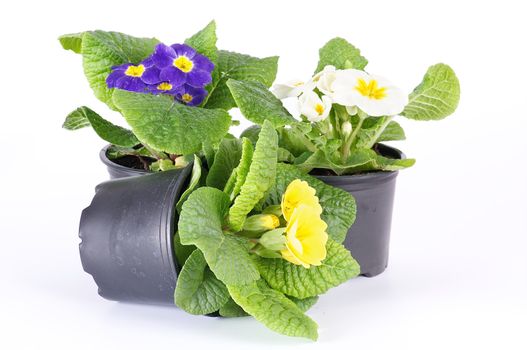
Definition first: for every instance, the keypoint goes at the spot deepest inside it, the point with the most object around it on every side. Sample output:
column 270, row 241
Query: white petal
column 351, row 110
column 292, row 88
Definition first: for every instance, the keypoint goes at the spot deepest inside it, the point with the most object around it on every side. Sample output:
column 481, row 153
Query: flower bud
column 346, row 128
column 261, row 223
column 180, row 162
column 273, row 240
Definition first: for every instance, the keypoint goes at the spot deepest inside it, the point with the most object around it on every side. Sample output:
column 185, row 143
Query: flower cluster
column 351, row 88
column 176, row 70
column 303, row 239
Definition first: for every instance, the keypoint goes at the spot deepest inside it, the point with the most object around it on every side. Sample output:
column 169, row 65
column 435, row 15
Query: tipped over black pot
column 119, row 171
column 127, row 237
column 368, row 238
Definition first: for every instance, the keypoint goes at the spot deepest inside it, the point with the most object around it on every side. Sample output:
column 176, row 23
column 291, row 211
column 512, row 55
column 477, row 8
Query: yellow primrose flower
column 299, row 192
column 306, row 237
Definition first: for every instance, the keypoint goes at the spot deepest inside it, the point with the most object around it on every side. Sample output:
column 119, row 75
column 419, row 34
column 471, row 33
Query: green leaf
column 182, row 251
column 231, row 309
column 258, row 104
column 360, row 160
column 170, row 126
column 198, row 291
column 226, row 159
column 240, row 173
column 193, row 184
column 259, row 178
column 204, row 41
column 294, row 140
column 285, row 156
column 338, row 206
column 200, row 223
column 103, row 50
column 251, row 133
column 114, row 134
column 274, row 310
column 304, row 304
column 232, row 65
column 341, row 54
column 299, row 282
column 71, row 42
column 436, row 97
column 393, row 132
column 371, row 130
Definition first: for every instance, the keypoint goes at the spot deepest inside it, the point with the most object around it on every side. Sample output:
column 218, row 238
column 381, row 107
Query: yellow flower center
column 135, row 71
column 371, row 89
column 187, row 98
column 183, row 64
column 164, row 86
column 319, row 108
column 300, row 83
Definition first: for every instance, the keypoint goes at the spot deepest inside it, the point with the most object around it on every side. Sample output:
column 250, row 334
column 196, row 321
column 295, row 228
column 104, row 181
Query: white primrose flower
column 292, row 88
column 374, row 95
column 313, row 107
column 324, row 80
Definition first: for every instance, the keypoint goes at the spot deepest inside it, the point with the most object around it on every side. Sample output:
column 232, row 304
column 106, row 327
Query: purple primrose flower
column 190, row 95
column 132, row 77
column 180, row 64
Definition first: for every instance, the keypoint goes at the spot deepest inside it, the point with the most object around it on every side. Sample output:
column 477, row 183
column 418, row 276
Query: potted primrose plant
column 174, row 98
column 247, row 237
column 345, row 114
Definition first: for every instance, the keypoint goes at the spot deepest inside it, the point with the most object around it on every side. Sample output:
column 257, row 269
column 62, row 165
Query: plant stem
column 346, row 147
column 380, row 131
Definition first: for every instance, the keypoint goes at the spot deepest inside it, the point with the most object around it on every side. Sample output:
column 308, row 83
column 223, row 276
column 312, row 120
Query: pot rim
column 378, row 175
column 108, row 162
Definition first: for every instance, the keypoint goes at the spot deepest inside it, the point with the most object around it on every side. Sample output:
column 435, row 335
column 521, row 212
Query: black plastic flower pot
column 369, row 237
column 127, row 237
column 118, row 171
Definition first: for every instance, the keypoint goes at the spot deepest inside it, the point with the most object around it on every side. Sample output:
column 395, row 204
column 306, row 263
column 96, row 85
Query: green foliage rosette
column 263, row 241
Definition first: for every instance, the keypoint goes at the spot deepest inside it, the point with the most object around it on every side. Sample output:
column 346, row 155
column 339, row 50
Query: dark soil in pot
column 125, row 166
column 369, row 237
column 127, row 237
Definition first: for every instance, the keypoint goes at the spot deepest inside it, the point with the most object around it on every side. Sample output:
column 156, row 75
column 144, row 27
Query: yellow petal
column 299, row 192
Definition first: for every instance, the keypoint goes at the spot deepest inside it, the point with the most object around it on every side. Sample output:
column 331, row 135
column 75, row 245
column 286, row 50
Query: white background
column 457, row 277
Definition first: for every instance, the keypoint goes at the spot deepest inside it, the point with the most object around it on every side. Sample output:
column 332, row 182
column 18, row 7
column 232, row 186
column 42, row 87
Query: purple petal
column 148, row 62
column 183, row 50
column 198, row 78
column 163, row 56
column 172, row 75
column 198, row 94
column 121, row 67
column 151, row 75
column 131, row 84
column 112, row 78
column 203, row 63
column 154, row 89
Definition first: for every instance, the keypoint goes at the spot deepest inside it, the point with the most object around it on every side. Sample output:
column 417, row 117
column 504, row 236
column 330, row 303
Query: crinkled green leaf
column 193, row 183
column 239, row 175
column 232, row 65
column 204, row 41
column 338, row 206
column 285, row 156
column 341, row 54
column 170, row 126
column 114, row 134
column 294, row 140
column 231, row 309
column 304, row 304
column 259, row 178
column 370, row 131
column 71, row 42
column 200, row 223
column 198, row 291
column 274, row 310
column 436, row 97
column 393, row 132
column 360, row 160
column 103, row 50
column 226, row 159
column 258, row 104
column 299, row 282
